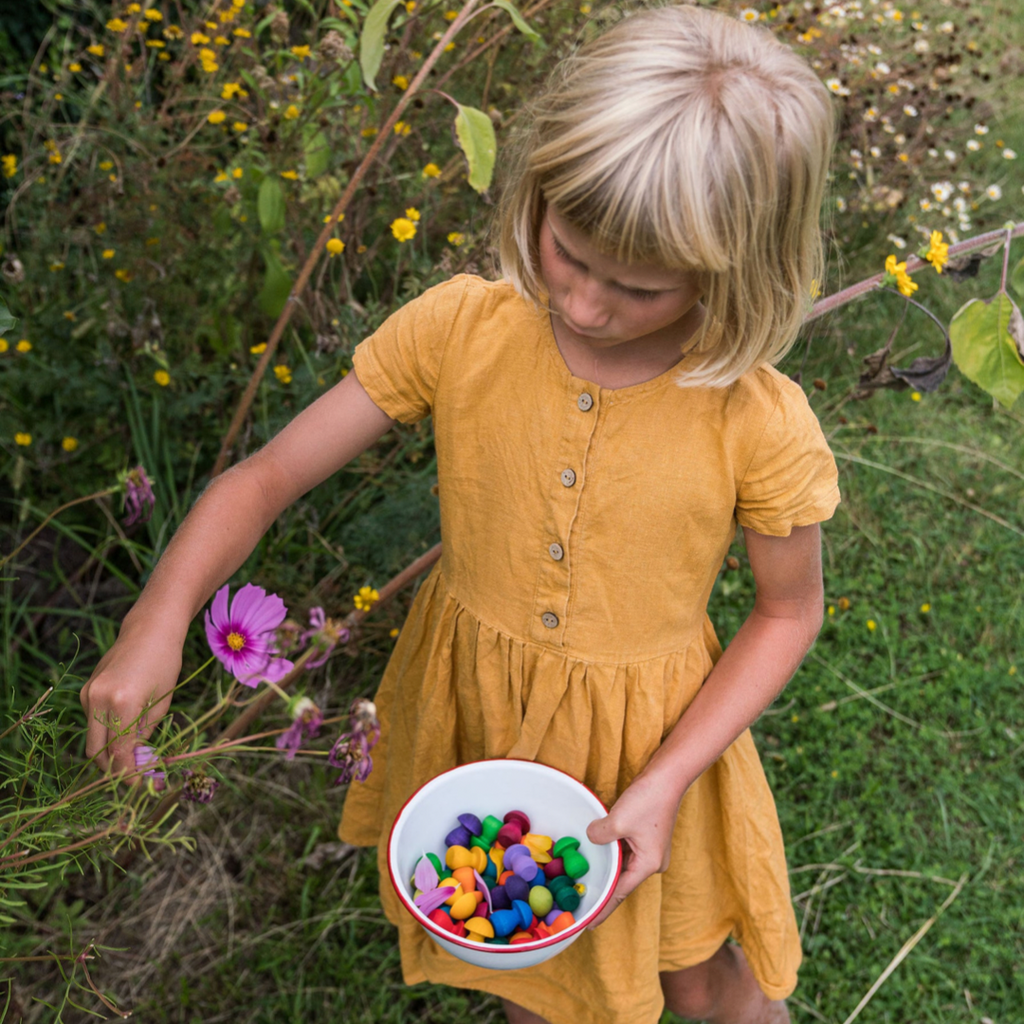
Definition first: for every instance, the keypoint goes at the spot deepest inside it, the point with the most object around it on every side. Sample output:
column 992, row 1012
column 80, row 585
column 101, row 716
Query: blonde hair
column 690, row 140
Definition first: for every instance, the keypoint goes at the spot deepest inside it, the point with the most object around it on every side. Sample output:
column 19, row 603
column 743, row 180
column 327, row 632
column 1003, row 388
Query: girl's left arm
column 751, row 673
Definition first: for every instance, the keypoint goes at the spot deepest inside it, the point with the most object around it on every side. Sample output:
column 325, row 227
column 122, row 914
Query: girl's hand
column 642, row 818
column 128, row 694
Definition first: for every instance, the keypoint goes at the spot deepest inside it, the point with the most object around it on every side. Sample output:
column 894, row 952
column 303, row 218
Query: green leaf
column 371, row 42
column 7, row 321
column 270, row 205
column 518, row 20
column 476, row 137
column 317, row 152
column 1017, row 279
column 277, row 285
column 988, row 337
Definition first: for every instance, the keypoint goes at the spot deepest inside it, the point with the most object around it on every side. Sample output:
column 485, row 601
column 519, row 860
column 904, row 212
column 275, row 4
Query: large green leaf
column 476, row 137
column 518, row 20
column 317, row 152
column 7, row 321
column 277, row 285
column 270, row 205
column 371, row 42
column 988, row 338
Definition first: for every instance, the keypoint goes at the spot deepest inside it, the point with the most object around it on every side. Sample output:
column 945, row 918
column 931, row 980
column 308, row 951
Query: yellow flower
column 221, row 176
column 123, row 274
column 105, row 165
column 368, row 133
column 401, row 81
column 3, row 345
column 216, row 116
column 55, row 157
column 10, row 164
column 96, row 49
column 24, row 345
column 335, row 246
column 23, row 439
column 108, row 254
column 57, row 96
column 938, row 251
column 116, row 25
column 403, row 229
column 412, row 213
column 198, row 39
column 915, row 396
column 449, row 48
column 162, row 377
column 226, row 16
column 100, row 228
column 240, row 126
column 393, row 633
column 70, row 315
column 831, row 609
column 290, row 175
column 69, row 444
column 173, row 32
column 221, row 41
column 451, row 15
column 134, row 8
column 56, row 265
column 238, row 4
column 925, row 608
column 410, row 5
column 237, row 173
column 154, row 15
column 230, row 89
column 366, row 599
column 291, row 112
column 872, row 625
column 431, row 171
column 259, row 349
column 302, row 52
column 75, row 67
column 283, row 373
column 327, row 219
column 903, row 281
column 402, row 128
column 242, row 33
column 456, row 238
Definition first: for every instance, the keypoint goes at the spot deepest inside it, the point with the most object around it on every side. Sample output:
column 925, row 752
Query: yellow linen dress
column 566, row 623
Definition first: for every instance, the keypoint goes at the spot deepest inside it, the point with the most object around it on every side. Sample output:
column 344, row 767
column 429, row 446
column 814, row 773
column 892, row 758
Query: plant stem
column 56, row 512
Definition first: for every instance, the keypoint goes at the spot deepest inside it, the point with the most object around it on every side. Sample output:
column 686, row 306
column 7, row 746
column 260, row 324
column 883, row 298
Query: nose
column 586, row 305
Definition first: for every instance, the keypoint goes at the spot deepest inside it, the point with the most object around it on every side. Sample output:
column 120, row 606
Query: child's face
column 603, row 302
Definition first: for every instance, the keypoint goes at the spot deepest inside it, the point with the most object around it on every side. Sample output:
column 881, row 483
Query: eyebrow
column 575, row 259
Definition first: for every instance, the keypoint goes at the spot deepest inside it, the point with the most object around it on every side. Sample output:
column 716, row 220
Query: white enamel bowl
column 556, row 804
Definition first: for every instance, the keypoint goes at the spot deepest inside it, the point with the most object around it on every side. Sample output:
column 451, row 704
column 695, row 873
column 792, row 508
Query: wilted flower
column 243, row 639
column 351, row 751
column 146, row 758
column 198, row 788
column 326, row 634
column 138, row 496
column 306, row 721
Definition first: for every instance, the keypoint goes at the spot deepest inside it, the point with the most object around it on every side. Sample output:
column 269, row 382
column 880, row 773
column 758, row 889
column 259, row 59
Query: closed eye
column 637, row 293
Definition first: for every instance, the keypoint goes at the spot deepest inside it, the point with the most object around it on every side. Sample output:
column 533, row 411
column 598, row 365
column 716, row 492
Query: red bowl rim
column 522, row 947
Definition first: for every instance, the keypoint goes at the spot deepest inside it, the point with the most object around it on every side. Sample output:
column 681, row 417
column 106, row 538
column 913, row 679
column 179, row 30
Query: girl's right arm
column 138, row 674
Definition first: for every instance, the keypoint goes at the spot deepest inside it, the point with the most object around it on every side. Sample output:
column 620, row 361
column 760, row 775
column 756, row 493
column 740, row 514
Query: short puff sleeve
column 791, row 479
column 399, row 364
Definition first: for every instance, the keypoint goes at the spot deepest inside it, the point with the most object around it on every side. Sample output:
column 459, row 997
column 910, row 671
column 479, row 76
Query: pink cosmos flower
column 243, row 638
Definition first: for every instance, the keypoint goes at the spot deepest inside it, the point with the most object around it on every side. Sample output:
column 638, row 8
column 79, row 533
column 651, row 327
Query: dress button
column 549, row 619
column 556, row 552
column 585, row 402
column 568, row 478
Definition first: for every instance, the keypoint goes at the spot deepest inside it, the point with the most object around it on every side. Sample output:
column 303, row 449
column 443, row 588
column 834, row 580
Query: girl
column 604, row 417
